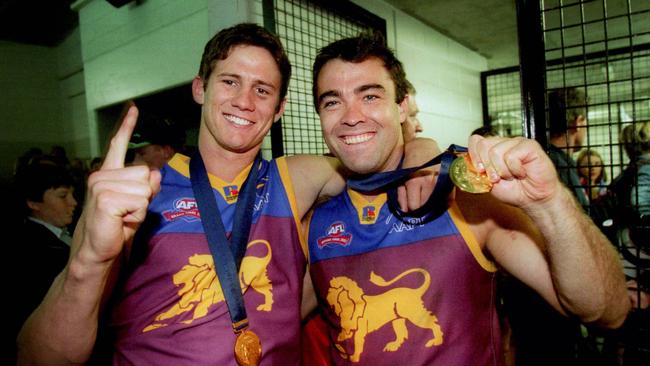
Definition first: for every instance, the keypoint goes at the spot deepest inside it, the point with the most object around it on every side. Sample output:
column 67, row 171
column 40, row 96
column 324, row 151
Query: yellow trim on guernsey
column 181, row 164
column 470, row 239
column 291, row 195
column 359, row 202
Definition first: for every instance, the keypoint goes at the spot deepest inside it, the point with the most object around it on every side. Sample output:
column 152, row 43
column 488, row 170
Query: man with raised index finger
column 420, row 290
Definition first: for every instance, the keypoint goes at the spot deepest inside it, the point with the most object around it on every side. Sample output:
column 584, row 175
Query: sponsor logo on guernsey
column 413, row 223
column 368, row 214
column 231, row 193
column 336, row 235
column 184, row 208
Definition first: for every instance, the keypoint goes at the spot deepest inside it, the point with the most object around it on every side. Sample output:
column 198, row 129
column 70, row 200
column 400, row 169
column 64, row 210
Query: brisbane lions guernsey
column 171, row 309
column 397, row 293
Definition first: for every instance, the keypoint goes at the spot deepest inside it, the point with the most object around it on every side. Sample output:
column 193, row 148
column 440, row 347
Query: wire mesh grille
column 602, row 47
column 504, row 103
column 305, row 27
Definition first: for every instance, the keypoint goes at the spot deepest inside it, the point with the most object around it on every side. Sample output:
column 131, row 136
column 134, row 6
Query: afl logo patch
column 184, row 208
column 336, row 236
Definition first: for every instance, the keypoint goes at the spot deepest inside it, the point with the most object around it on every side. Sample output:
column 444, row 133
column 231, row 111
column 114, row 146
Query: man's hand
column 416, row 191
column 117, row 200
column 519, row 169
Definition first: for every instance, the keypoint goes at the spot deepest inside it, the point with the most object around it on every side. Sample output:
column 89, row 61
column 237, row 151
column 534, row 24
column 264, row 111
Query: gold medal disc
column 466, row 178
column 248, row 348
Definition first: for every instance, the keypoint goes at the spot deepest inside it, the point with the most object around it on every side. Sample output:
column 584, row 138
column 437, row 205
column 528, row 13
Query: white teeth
column 237, row 120
column 357, row 139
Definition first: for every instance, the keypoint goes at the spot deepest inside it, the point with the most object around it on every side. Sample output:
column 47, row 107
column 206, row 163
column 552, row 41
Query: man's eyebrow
column 257, row 81
column 367, row 87
column 329, row 93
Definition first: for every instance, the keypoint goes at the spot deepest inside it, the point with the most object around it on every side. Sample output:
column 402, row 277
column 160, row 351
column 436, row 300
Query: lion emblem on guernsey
column 200, row 287
column 361, row 314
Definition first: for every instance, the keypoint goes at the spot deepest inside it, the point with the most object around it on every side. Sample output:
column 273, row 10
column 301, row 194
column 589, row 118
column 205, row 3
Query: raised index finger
column 120, row 142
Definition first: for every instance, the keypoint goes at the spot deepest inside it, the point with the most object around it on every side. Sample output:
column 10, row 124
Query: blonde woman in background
column 592, row 173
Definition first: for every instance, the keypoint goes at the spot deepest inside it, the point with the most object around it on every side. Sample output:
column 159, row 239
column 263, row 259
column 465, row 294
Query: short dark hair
column 565, row 105
column 36, row 178
column 153, row 129
column 485, row 131
column 219, row 47
column 358, row 49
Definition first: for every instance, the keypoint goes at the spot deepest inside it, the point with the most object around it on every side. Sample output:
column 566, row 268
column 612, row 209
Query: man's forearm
column 63, row 329
column 584, row 266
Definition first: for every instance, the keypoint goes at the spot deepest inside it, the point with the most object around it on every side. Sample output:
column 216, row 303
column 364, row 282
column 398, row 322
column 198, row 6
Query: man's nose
column 353, row 115
column 244, row 99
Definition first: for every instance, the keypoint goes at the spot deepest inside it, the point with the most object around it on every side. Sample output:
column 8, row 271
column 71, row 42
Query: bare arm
column 316, row 177
column 585, row 267
column 62, row 330
column 554, row 247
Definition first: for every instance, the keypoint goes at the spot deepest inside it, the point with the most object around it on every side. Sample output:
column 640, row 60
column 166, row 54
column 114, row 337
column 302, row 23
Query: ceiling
column 485, row 26
column 488, row 27
column 36, row 22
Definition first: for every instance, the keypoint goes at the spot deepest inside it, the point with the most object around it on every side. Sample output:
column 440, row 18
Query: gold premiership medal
column 466, row 178
column 248, row 348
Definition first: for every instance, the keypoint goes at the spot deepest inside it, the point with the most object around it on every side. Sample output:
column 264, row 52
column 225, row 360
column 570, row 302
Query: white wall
column 445, row 74
column 43, row 101
column 141, row 49
column 121, row 53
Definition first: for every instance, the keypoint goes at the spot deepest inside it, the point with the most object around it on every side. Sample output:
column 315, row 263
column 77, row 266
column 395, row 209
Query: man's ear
column 579, row 122
column 197, row 90
column 280, row 110
column 34, row 206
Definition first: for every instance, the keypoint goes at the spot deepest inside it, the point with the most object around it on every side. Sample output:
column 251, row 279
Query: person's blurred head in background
column 47, row 193
column 155, row 141
column 412, row 126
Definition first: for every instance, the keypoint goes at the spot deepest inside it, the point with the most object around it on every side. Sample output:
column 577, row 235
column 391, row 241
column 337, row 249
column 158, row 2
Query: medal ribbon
column 227, row 254
column 435, row 206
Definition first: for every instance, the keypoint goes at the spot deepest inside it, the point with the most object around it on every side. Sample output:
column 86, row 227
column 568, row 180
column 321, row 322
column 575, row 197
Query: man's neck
column 392, row 163
column 226, row 164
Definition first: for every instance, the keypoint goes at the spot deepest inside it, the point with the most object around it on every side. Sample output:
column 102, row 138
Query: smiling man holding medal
column 214, row 274
column 418, row 289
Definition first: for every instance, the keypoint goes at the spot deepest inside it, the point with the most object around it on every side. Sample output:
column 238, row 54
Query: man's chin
column 359, row 167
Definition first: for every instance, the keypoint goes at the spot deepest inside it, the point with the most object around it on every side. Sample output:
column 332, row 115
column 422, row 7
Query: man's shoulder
column 557, row 156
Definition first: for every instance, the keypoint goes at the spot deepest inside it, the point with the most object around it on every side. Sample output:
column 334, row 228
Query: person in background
column 155, row 141
column 485, row 131
column 568, row 130
column 592, row 173
column 31, row 155
column 411, row 126
column 628, row 200
column 59, row 155
column 95, row 164
column 42, row 244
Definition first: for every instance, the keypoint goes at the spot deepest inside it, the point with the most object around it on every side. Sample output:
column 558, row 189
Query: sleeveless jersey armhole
column 467, row 234
column 286, row 181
